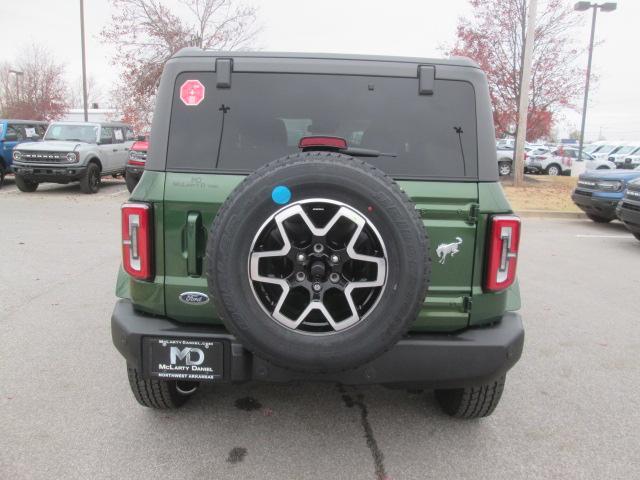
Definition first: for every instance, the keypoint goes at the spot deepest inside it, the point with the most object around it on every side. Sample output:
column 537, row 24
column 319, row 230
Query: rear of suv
column 324, row 218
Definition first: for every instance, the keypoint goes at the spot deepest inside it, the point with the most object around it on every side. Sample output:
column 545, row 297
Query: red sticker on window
column 192, row 92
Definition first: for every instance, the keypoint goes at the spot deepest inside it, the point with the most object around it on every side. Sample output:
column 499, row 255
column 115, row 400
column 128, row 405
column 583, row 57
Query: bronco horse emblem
column 445, row 249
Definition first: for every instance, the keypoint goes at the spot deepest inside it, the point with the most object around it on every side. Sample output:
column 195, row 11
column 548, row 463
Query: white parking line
column 604, row 236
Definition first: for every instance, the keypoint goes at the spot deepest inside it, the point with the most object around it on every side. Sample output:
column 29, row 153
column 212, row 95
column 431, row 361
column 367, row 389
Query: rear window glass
column 263, row 116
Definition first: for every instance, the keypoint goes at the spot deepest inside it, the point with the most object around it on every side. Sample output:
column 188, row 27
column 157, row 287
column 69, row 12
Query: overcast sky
column 399, row 27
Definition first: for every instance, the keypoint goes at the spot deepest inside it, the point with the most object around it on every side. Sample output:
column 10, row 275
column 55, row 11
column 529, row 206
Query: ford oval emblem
column 194, row 298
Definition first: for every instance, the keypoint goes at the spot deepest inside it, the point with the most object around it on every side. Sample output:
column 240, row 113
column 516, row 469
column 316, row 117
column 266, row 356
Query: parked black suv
column 628, row 210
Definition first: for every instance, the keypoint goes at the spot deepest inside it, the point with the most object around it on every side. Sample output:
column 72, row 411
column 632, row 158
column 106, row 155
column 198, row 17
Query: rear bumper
column 54, row 174
column 596, row 205
column 134, row 172
column 473, row 357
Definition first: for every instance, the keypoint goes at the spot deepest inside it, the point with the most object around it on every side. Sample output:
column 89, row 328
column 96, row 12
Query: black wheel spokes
column 318, row 266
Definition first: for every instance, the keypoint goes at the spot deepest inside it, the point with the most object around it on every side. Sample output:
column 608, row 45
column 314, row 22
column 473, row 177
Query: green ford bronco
column 322, row 218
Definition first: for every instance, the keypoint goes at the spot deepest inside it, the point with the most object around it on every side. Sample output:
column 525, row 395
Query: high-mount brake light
column 322, row 142
column 503, row 245
column 136, row 240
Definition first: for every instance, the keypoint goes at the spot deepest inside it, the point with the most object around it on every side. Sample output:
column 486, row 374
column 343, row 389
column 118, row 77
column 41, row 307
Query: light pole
column 581, row 7
column 523, row 104
column 84, row 64
column 19, row 76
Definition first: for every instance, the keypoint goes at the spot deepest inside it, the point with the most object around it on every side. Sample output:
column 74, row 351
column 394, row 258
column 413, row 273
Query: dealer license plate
column 185, row 359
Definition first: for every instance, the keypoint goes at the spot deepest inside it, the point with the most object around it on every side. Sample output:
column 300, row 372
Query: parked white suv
column 604, row 151
column 560, row 161
column 628, row 151
column 72, row 151
column 505, row 157
column 630, row 162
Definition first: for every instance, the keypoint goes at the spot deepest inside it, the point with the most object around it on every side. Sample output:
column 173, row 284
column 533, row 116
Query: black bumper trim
column 630, row 218
column 473, row 357
column 62, row 174
column 595, row 205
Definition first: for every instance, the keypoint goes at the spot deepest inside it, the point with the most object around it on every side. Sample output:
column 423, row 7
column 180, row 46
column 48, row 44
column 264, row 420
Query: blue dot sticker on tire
column 281, row 195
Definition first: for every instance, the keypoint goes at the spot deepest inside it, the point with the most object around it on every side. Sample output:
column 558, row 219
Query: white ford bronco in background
column 83, row 152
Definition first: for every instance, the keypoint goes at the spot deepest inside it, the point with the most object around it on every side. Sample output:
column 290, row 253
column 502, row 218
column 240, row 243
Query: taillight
column 136, row 240
column 504, row 241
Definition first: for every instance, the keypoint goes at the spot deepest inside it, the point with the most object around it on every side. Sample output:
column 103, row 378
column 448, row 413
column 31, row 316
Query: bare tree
column 33, row 86
column 146, row 33
column 494, row 37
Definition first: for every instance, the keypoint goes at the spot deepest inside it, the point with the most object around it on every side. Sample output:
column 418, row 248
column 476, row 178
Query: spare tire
column 318, row 262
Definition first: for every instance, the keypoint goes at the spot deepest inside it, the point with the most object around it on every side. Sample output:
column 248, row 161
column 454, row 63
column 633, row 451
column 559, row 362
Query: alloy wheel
column 318, row 266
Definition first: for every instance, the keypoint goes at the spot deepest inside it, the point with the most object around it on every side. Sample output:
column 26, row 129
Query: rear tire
column 130, row 181
column 25, row 185
column 471, row 402
column 90, row 182
column 159, row 394
column 2, row 173
column 553, row 170
column 598, row 219
column 637, row 235
column 504, row 168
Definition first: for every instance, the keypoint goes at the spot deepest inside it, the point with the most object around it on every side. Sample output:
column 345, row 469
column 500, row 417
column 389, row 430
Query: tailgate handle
column 194, row 226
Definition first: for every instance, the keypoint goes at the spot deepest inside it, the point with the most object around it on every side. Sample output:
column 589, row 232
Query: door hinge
column 426, row 79
column 474, row 210
column 467, row 303
column 224, row 67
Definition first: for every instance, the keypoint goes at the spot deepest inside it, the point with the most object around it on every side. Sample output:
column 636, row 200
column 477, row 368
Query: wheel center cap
column 318, row 270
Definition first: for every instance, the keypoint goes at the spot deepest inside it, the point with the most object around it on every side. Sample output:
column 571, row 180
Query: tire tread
column 472, row 402
column 153, row 393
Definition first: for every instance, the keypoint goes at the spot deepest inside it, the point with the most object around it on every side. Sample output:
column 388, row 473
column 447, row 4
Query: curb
column 551, row 214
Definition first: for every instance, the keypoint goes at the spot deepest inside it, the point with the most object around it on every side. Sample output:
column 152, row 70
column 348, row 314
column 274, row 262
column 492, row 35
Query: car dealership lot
column 569, row 408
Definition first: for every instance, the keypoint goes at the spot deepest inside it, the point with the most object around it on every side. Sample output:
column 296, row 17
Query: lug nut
column 317, row 287
column 334, row 277
column 301, row 257
column 318, row 248
column 335, row 259
column 300, row 276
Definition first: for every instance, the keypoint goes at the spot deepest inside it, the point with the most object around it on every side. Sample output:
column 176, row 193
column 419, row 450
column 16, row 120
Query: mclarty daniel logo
column 186, row 354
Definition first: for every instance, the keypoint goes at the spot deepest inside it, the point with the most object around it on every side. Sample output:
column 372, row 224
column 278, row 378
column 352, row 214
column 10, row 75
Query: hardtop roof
column 21, row 122
column 198, row 52
column 102, row 124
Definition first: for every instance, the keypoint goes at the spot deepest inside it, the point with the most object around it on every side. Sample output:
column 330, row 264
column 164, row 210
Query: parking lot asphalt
column 570, row 407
